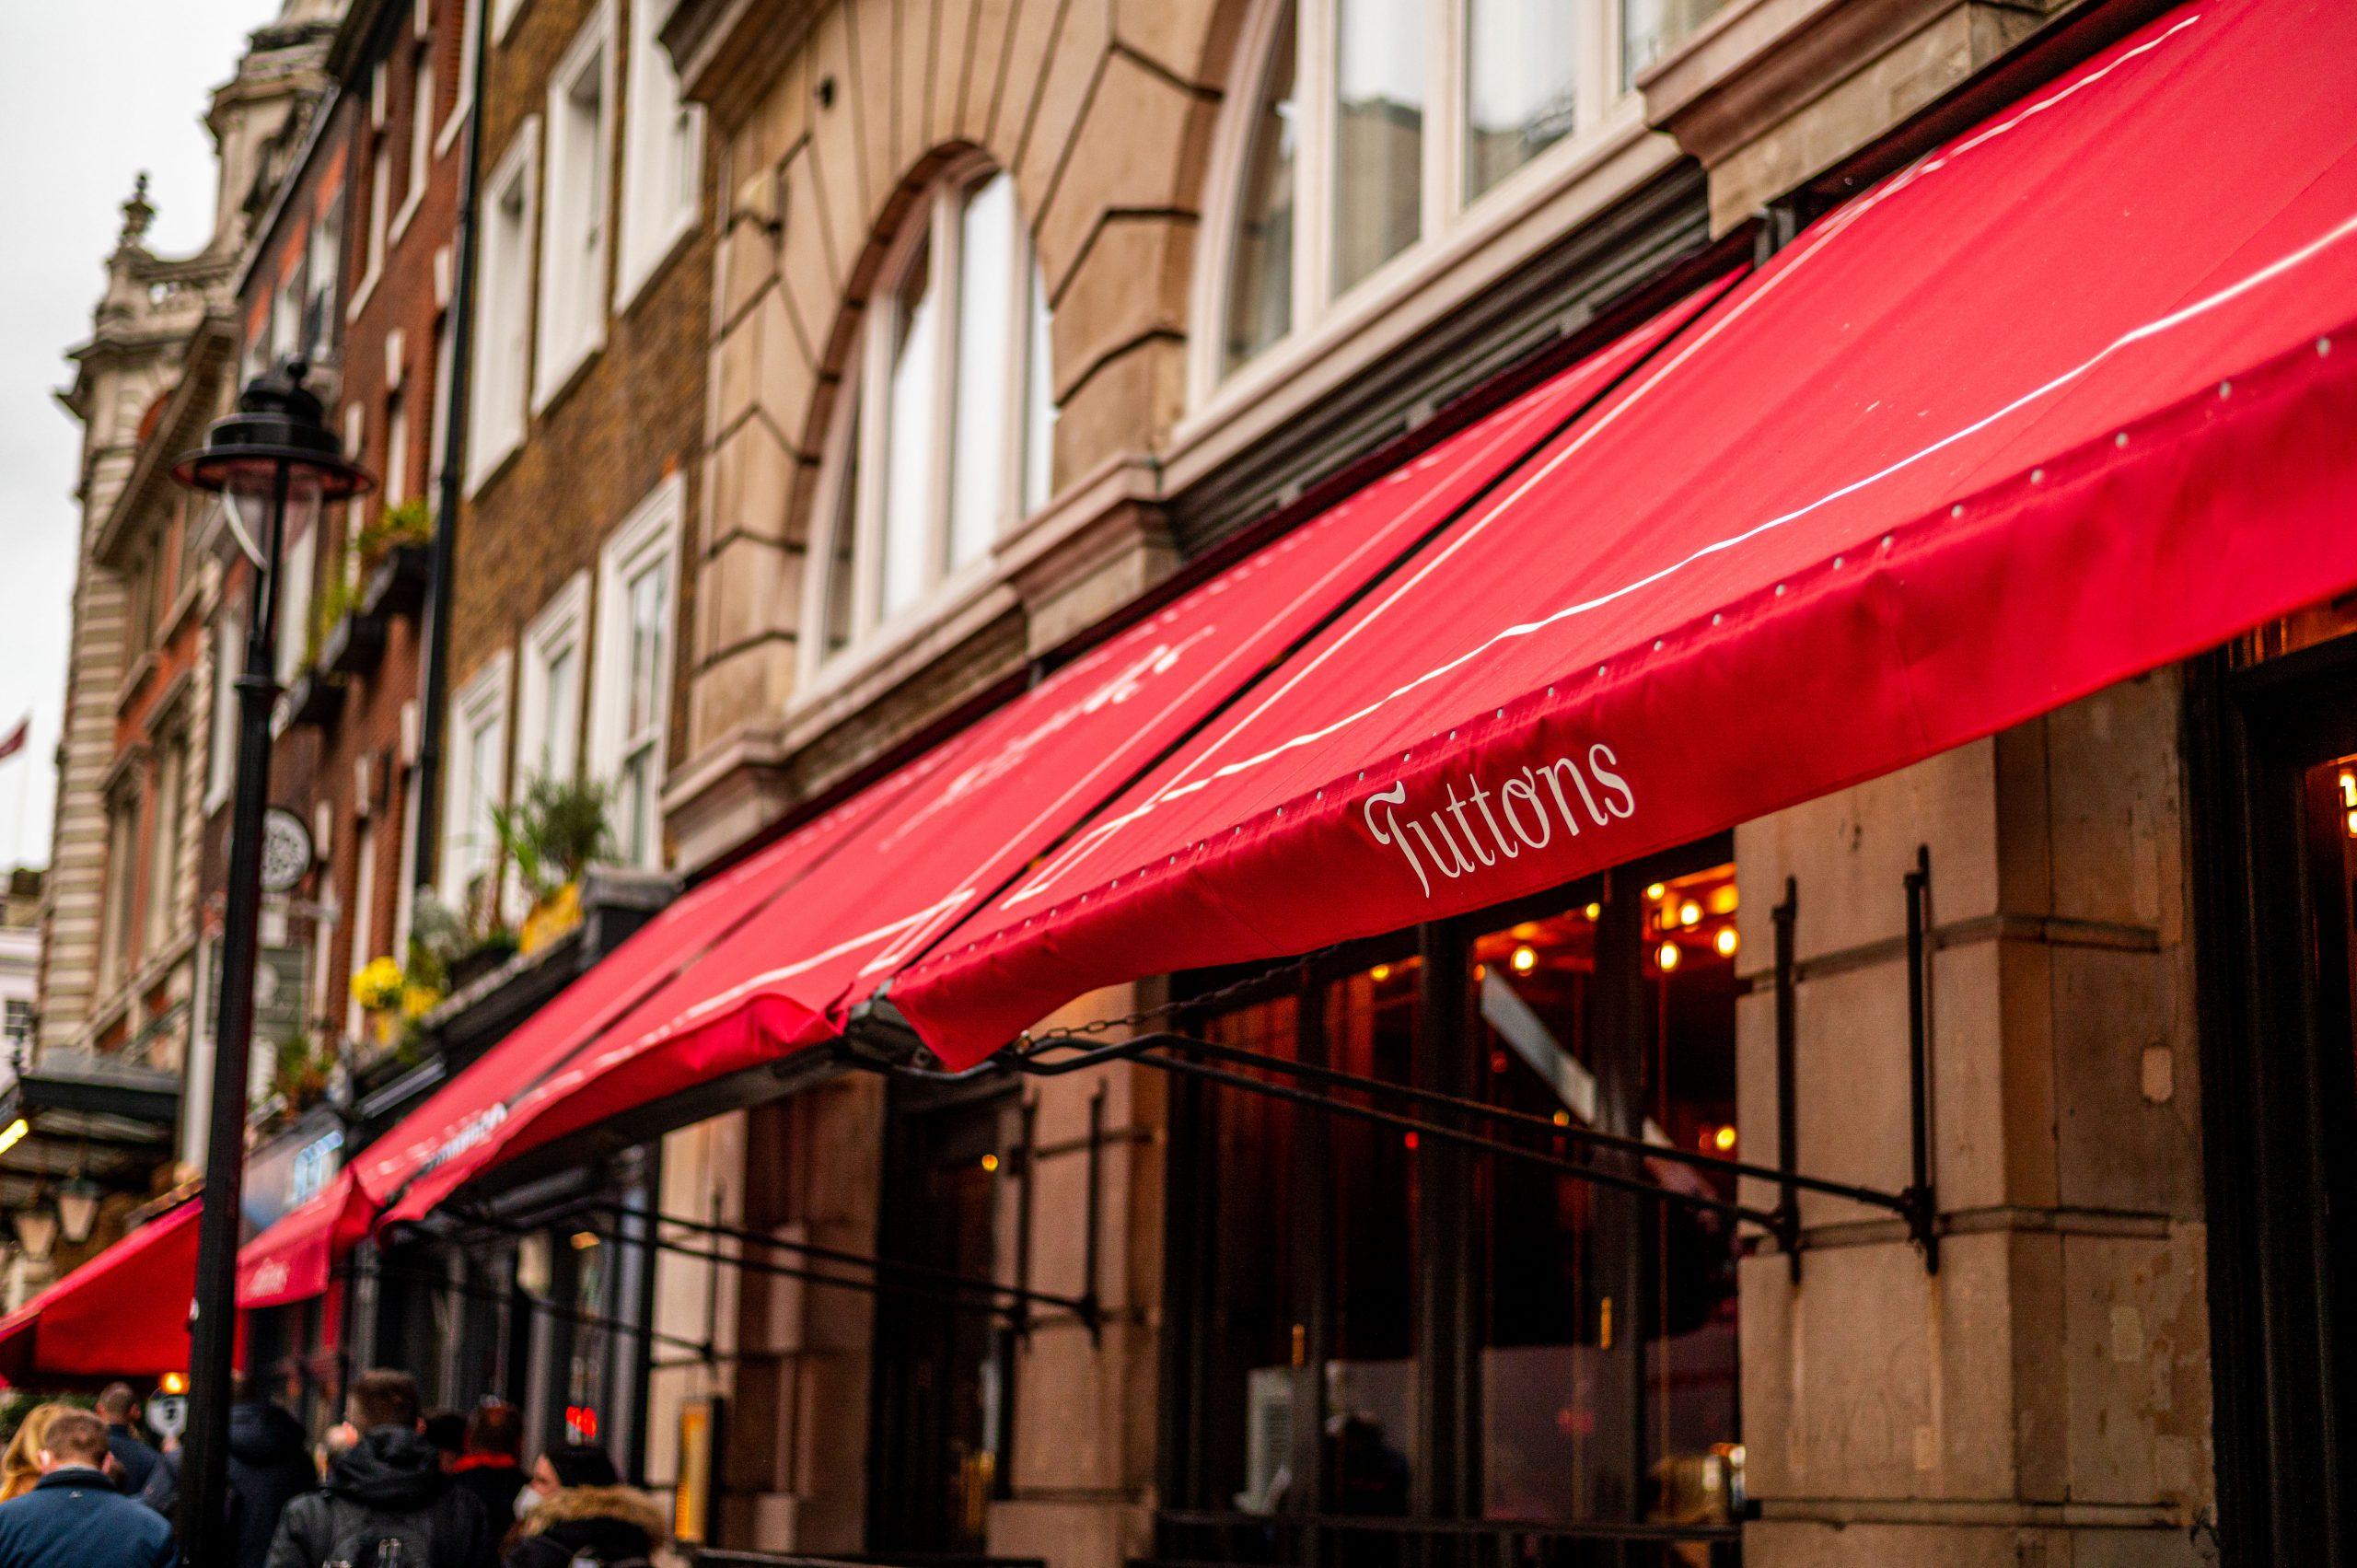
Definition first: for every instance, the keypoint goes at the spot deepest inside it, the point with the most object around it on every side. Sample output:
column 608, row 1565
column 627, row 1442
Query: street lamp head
column 275, row 450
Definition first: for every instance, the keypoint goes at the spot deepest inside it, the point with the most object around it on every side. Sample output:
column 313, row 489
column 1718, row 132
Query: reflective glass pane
column 1379, row 133
column 986, row 343
column 1651, row 28
column 1521, row 59
column 1259, row 278
column 563, row 699
column 907, row 443
column 843, row 588
column 1039, row 403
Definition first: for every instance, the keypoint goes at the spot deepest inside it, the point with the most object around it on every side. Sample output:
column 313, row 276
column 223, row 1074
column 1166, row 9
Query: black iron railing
column 1197, row 1539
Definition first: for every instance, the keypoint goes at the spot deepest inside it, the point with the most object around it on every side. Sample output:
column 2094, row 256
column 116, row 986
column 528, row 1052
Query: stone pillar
column 1085, row 1406
column 2044, row 1398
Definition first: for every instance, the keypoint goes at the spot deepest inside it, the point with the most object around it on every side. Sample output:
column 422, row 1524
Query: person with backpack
column 270, row 1466
column 576, row 1509
column 387, row 1501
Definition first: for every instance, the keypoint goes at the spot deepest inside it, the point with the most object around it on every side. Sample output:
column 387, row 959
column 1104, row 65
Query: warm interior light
column 1525, row 958
column 1668, row 957
column 1380, row 973
column 1723, row 899
column 1656, row 890
column 1563, row 1118
column 2349, row 789
column 1594, row 911
column 2352, row 833
column 1480, row 971
column 173, row 1383
column 13, row 1134
column 1724, row 1140
column 1690, row 913
column 1726, row 941
column 989, row 1162
column 585, row 1240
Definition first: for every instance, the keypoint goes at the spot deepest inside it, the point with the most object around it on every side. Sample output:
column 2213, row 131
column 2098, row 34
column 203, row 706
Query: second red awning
column 2064, row 401
column 123, row 1314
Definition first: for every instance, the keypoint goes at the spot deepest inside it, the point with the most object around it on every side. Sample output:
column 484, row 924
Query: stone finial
column 137, row 213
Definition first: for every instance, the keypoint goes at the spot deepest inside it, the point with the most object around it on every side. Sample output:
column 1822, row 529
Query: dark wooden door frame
column 2274, row 1015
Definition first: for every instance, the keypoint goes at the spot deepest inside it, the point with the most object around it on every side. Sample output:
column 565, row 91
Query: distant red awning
column 850, row 898
column 2071, row 397
column 293, row 1258
column 123, row 1314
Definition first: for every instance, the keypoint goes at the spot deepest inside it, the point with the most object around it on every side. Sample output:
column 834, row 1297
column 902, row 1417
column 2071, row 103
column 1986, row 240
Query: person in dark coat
column 588, row 1517
column 270, row 1466
column 119, row 1407
column 490, row 1459
column 389, row 1486
column 74, row 1517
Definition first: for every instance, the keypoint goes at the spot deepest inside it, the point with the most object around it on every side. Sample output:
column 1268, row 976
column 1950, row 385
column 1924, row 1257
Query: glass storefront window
column 1596, row 1330
column 1652, row 29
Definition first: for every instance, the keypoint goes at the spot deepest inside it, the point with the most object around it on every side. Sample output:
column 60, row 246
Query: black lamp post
column 275, row 463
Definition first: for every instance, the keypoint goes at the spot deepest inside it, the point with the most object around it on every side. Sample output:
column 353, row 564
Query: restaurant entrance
column 2273, row 749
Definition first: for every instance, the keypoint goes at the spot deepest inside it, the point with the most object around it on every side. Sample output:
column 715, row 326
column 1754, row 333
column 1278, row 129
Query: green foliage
column 554, row 833
column 18, row 1403
column 405, row 522
column 300, row 1068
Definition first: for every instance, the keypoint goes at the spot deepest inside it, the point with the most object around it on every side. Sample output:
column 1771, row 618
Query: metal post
column 1922, row 1202
column 1788, row 1137
column 1092, row 1212
column 1028, row 1118
column 205, row 1472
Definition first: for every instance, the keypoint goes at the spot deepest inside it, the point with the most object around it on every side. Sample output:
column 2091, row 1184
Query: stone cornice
column 729, row 52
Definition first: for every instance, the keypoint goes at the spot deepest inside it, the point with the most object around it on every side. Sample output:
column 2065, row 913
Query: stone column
column 2044, row 1398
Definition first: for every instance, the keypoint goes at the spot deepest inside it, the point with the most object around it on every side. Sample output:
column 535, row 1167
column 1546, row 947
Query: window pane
column 986, row 343
column 1520, row 65
column 1371, row 1364
column 563, row 699
column 1690, row 1369
column 647, row 591
column 1039, row 403
column 1259, row 280
column 1651, row 28
column 842, row 585
column 908, row 448
column 1379, row 133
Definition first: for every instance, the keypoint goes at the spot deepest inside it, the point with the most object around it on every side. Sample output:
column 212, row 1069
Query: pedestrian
column 270, row 1466
column 446, row 1430
column 491, row 1458
column 119, row 1407
column 580, row 1513
column 385, row 1499
column 74, row 1517
column 21, row 1465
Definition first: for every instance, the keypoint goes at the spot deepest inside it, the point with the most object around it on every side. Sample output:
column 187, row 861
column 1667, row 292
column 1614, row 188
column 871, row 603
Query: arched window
column 1364, row 129
column 944, row 426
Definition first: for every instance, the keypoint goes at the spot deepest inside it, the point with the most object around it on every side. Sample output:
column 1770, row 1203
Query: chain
column 1297, row 972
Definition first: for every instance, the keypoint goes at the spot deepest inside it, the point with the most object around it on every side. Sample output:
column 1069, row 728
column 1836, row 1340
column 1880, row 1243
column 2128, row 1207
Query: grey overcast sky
column 91, row 92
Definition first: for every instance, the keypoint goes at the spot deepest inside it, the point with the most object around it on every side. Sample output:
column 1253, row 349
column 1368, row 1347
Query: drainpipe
column 436, row 694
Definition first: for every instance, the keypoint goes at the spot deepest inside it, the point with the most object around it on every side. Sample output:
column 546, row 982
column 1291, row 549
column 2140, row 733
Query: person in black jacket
column 388, row 1487
column 598, row 1522
column 270, row 1466
column 74, row 1517
column 119, row 1407
column 491, row 1458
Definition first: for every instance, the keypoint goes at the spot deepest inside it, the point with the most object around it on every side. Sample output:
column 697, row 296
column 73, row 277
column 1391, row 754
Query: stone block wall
column 2045, row 1396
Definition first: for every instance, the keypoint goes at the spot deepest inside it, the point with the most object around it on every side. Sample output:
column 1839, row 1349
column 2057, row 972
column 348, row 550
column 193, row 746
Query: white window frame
column 164, row 839
column 503, row 17
column 421, row 137
column 1321, row 313
column 295, row 588
column 495, row 425
column 397, row 440
column 655, row 214
column 864, row 404
column 364, row 897
column 470, row 848
column 380, row 190
column 322, row 277
column 221, row 744
column 649, row 537
column 571, row 329
column 562, row 627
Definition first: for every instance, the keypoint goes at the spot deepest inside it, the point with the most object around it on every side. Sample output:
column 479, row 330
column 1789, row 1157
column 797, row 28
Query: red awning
column 2069, row 399
column 123, row 1314
column 291, row 1260
column 923, row 850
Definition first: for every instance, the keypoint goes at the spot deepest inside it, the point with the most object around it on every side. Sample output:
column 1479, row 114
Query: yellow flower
column 418, row 999
column 378, row 985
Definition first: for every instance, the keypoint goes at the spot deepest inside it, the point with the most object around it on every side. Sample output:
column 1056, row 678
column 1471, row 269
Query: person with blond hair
column 21, row 1465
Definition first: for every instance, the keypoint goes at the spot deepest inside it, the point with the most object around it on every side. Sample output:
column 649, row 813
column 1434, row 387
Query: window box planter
column 397, row 585
column 355, row 644
column 314, row 696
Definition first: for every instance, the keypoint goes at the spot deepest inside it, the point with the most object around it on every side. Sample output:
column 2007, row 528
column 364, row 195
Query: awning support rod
column 1922, row 1200
column 1142, row 1047
column 1788, row 1137
column 944, row 1279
